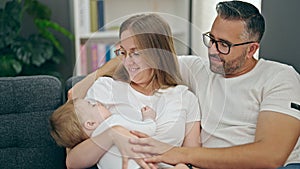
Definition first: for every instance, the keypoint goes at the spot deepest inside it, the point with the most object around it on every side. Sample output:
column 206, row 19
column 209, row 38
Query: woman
column 149, row 75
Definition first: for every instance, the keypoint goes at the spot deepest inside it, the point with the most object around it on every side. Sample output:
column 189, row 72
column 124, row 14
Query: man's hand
column 120, row 137
column 158, row 151
column 147, row 145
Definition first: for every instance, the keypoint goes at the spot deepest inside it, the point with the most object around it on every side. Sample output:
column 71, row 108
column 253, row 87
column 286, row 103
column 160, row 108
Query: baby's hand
column 148, row 113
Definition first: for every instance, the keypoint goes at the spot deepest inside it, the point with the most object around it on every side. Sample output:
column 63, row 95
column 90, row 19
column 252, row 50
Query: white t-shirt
column 174, row 107
column 230, row 106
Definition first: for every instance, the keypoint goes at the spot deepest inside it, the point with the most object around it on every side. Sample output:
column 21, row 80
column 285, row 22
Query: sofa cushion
column 25, row 106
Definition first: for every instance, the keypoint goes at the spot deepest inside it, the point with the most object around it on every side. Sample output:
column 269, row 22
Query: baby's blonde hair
column 66, row 128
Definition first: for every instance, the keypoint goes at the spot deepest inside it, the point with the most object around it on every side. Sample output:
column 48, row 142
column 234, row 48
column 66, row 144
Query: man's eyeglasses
column 123, row 52
column 221, row 45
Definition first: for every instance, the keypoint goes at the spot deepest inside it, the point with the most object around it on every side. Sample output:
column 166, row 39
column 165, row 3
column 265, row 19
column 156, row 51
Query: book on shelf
column 83, row 61
column 100, row 11
column 84, row 16
column 101, row 60
column 94, row 55
column 112, row 51
column 96, row 15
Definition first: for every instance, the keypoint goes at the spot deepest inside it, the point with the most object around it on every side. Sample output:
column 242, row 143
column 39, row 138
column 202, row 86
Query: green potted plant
column 37, row 53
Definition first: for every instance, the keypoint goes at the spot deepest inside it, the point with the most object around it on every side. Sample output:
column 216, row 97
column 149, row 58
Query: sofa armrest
column 25, row 106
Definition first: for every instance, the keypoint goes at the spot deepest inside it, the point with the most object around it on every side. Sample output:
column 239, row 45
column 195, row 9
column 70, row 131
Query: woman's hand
column 70, row 94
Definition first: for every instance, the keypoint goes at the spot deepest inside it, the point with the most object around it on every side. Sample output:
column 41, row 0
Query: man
column 250, row 113
column 250, row 108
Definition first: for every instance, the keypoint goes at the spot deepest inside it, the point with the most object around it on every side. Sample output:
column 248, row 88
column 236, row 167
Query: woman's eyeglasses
column 123, row 52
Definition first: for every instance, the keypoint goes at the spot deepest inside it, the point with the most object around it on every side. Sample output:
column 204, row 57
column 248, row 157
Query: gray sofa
column 25, row 106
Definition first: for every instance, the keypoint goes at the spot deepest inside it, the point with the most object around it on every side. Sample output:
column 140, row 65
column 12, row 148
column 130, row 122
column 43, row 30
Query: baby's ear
column 90, row 125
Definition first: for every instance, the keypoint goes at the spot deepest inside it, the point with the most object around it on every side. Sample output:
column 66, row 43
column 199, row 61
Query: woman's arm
column 88, row 153
column 80, row 89
column 192, row 135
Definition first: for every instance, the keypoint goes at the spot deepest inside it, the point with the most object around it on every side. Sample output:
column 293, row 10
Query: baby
column 76, row 120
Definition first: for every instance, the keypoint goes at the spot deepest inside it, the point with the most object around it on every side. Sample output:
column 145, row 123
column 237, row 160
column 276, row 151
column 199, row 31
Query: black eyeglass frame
column 229, row 44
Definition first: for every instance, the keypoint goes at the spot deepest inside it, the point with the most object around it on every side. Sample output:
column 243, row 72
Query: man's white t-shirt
column 175, row 107
column 230, row 106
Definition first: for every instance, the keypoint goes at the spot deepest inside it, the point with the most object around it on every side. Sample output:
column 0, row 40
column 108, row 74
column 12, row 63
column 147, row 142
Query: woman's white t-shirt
column 174, row 107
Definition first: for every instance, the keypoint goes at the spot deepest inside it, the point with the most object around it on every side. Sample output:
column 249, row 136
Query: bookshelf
column 114, row 12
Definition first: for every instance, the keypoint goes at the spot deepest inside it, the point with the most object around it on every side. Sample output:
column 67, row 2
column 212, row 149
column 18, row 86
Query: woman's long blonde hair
column 152, row 35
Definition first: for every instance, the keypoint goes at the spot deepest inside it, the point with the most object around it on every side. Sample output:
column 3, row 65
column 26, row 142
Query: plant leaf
column 21, row 55
column 14, row 8
column 44, row 25
column 9, row 66
column 22, row 50
column 37, row 10
column 56, row 59
column 34, row 50
column 9, row 30
column 42, row 50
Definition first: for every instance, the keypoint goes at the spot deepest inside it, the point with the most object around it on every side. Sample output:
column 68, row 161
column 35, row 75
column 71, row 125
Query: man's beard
column 226, row 67
column 216, row 64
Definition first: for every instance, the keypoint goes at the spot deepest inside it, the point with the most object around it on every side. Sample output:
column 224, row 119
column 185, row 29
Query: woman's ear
column 252, row 49
column 90, row 125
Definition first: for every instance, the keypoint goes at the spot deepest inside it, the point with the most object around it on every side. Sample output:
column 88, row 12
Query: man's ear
column 90, row 125
column 252, row 49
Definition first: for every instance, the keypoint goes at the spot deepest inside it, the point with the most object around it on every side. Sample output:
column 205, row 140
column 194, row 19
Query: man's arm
column 80, row 89
column 276, row 135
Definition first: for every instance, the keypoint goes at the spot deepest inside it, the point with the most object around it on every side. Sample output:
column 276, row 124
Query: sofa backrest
column 25, row 106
